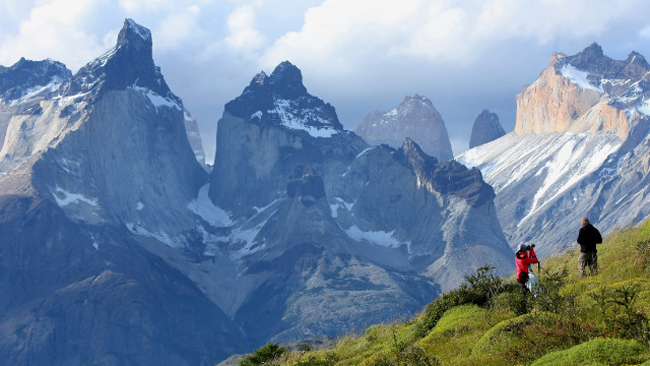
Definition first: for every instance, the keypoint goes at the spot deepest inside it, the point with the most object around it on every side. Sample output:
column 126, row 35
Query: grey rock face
column 91, row 295
column 194, row 137
column 486, row 128
column 86, row 180
column 415, row 118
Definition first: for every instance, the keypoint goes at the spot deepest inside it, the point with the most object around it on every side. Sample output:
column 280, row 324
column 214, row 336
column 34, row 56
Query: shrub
column 540, row 339
column 329, row 359
column 518, row 303
column 402, row 354
column 549, row 297
column 479, row 289
column 613, row 352
column 266, row 353
column 617, row 306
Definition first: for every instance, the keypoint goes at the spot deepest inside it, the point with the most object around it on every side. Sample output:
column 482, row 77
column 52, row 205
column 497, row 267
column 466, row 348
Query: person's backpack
column 533, row 282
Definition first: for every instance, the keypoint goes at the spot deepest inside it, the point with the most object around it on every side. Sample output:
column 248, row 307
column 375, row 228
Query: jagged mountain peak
column 416, row 98
column 128, row 65
column 598, row 94
column 486, row 128
column 599, row 66
column 134, row 33
column 449, row 177
column 286, row 81
column 636, row 58
column 29, row 77
column 593, row 51
column 415, row 118
column 413, row 155
column 281, row 99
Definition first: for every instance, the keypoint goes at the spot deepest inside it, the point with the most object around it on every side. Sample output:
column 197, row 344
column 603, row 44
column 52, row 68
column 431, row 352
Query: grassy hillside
column 598, row 320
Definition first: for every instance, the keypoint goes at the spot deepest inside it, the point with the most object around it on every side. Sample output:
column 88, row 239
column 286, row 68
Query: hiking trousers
column 588, row 264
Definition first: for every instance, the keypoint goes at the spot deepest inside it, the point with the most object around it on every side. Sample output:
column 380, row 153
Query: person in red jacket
column 524, row 257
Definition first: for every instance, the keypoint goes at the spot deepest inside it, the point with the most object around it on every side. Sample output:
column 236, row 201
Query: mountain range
column 580, row 148
column 119, row 247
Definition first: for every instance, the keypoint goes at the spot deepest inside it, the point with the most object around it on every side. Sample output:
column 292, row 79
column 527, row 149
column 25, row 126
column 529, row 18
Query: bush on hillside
column 479, row 289
column 402, row 354
column 549, row 297
column 328, row 359
column 266, row 353
column 619, row 311
column 540, row 339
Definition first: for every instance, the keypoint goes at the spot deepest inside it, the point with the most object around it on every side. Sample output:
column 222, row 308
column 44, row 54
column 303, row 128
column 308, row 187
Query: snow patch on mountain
column 203, row 207
column 244, row 242
column 64, row 198
column 289, row 112
column 570, row 165
column 334, row 207
column 157, row 100
column 52, row 87
column 579, row 78
column 161, row 236
column 562, row 159
column 644, row 107
column 382, row 238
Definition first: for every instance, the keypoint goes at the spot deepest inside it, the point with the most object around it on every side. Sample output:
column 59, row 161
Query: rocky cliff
column 93, row 168
column 587, row 92
column 415, row 118
column 486, row 128
column 579, row 149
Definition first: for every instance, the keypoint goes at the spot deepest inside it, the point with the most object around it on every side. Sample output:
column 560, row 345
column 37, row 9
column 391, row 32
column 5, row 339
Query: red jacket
column 522, row 260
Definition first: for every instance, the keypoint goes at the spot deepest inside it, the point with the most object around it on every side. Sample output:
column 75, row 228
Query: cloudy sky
column 358, row 55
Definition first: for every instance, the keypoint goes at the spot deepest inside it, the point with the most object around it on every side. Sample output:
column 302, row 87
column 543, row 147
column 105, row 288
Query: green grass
column 597, row 320
column 611, row 352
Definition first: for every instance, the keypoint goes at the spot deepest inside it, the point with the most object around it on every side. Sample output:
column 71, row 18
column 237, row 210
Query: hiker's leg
column 523, row 288
column 594, row 264
column 582, row 264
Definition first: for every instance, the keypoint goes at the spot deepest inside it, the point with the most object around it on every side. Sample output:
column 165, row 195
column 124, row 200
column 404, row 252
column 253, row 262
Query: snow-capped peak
column 281, row 99
column 143, row 32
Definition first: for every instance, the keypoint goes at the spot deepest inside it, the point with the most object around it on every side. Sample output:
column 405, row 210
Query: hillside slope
column 602, row 319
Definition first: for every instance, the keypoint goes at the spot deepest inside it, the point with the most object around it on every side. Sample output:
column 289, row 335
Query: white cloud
column 344, row 33
column 53, row 30
column 243, row 35
column 178, row 28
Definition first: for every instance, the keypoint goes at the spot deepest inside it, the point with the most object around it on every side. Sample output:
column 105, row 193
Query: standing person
column 524, row 257
column 588, row 237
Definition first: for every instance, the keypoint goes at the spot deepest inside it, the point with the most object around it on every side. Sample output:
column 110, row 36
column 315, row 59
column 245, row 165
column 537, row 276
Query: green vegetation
column 264, row 355
column 597, row 320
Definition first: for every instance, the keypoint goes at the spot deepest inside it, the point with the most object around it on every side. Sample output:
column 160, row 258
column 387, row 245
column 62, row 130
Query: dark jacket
column 588, row 237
